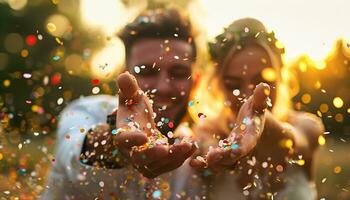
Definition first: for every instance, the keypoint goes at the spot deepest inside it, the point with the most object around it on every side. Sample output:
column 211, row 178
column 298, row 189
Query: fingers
column 260, row 97
column 128, row 88
column 217, row 159
column 160, row 159
column 198, row 163
column 149, row 155
column 178, row 153
column 178, row 159
column 127, row 139
column 214, row 156
column 131, row 94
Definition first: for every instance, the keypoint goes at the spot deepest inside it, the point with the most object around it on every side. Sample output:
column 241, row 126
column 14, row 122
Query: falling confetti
column 156, row 194
column 137, row 69
column 95, row 81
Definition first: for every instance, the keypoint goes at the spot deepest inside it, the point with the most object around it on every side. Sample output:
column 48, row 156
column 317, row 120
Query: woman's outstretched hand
column 244, row 136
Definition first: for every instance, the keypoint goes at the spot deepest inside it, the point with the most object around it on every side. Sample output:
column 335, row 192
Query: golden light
column 306, row 98
column 73, row 63
column 303, row 66
column 7, row 83
column 57, row 25
column 105, row 15
column 302, row 35
column 301, row 162
column 320, row 65
column 269, row 74
column 24, row 53
column 324, row 108
column 338, row 102
column 317, row 85
column 279, row 44
column 109, row 60
column 321, row 140
column 17, row 4
column 339, row 117
column 337, row 169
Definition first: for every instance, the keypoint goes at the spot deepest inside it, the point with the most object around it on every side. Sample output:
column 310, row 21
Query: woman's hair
column 158, row 23
column 240, row 33
column 251, row 31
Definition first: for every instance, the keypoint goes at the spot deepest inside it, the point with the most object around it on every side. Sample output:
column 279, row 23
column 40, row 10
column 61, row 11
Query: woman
column 275, row 162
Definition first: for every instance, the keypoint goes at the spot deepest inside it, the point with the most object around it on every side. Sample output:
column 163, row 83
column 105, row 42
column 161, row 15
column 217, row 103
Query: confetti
column 51, row 27
column 170, row 134
column 156, row 194
column 55, row 58
column 101, row 184
column 171, row 124
column 338, row 102
column 95, row 81
column 321, row 140
column 31, row 40
column 201, row 116
column 59, row 101
column 95, row 90
column 137, row 69
column 234, row 146
column 59, row 41
column 236, row 92
column 337, row 169
column 27, row 75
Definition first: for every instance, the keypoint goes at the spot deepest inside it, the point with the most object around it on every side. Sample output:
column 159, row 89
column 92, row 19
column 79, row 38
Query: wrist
column 98, row 149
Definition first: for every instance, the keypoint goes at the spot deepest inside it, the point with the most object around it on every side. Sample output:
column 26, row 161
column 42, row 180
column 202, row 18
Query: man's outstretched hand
column 136, row 136
column 244, row 136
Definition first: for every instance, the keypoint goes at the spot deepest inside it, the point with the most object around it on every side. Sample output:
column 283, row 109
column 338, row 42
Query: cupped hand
column 244, row 136
column 136, row 136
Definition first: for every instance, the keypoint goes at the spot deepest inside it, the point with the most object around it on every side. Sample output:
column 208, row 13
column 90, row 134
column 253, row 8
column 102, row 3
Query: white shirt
column 71, row 179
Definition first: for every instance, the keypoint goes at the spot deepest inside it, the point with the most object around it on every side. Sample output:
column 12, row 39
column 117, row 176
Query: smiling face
column 243, row 71
column 163, row 67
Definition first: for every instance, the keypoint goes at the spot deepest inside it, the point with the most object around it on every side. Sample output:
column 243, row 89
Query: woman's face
column 243, row 71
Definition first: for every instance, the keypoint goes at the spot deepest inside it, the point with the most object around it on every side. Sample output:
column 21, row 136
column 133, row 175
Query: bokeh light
column 109, row 60
column 338, row 102
column 106, row 15
column 13, row 42
column 57, row 25
column 294, row 22
column 17, row 4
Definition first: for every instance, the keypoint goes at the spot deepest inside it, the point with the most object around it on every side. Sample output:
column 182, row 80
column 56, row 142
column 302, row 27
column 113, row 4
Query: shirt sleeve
column 68, row 175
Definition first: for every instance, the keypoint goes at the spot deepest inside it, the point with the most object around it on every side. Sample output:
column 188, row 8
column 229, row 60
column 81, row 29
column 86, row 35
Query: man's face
column 163, row 68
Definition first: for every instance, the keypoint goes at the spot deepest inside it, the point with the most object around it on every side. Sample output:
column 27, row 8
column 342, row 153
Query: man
column 112, row 160
column 130, row 158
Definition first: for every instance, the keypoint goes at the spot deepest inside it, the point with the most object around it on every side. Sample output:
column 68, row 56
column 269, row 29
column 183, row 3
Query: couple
column 149, row 148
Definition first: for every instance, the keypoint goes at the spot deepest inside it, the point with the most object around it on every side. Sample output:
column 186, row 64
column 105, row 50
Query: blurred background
column 52, row 52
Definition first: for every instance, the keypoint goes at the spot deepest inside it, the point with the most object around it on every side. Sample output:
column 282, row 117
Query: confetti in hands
column 137, row 137
column 244, row 136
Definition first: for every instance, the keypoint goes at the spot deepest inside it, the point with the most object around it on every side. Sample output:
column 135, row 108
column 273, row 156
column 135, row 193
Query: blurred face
column 243, row 71
column 163, row 67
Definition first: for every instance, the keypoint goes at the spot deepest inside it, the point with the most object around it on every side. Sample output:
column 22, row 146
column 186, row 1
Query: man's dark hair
column 158, row 23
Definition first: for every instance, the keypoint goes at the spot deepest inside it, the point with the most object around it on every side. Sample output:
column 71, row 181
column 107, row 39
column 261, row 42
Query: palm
column 139, row 140
column 243, row 138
